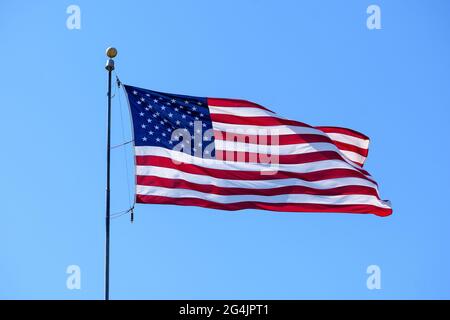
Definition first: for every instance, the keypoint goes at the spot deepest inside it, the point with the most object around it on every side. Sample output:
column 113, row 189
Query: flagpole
column 111, row 53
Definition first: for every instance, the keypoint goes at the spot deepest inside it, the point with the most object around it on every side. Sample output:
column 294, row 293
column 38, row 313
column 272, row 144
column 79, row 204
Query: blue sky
column 314, row 61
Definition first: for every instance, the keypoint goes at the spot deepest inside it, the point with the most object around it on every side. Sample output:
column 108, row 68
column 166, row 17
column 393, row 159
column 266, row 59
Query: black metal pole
column 109, row 67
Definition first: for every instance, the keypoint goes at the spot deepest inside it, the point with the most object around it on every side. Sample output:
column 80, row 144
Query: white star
column 162, row 122
column 158, row 139
column 176, row 109
column 173, row 100
column 170, row 115
column 204, row 125
column 191, row 123
column 198, row 130
column 141, row 114
column 168, row 103
column 168, row 129
column 142, row 99
column 149, row 120
column 163, row 134
column 144, row 139
column 155, row 100
column 143, row 126
column 196, row 118
column 139, row 102
column 194, row 108
column 163, row 108
column 199, row 103
column 188, row 112
column 147, row 95
column 201, row 115
column 156, row 127
column 165, row 120
column 150, row 133
column 157, row 113
column 183, row 116
column 135, row 92
column 170, row 142
column 177, row 122
column 185, row 101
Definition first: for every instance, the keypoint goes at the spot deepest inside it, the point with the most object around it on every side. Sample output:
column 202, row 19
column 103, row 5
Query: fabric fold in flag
column 354, row 145
column 232, row 154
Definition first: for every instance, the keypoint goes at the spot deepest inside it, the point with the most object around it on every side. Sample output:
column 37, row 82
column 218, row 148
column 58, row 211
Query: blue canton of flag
column 167, row 120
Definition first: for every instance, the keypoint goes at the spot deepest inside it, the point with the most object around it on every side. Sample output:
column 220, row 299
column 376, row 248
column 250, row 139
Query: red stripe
column 253, row 157
column 346, row 131
column 164, row 162
column 183, row 184
column 356, row 162
column 286, row 207
column 234, row 103
column 350, row 147
column 257, row 121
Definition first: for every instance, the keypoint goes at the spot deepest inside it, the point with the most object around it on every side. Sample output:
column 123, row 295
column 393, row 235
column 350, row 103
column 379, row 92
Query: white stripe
column 264, row 130
column 353, row 156
column 170, row 173
column 361, row 143
column 275, row 149
column 285, row 198
column 181, row 157
column 241, row 111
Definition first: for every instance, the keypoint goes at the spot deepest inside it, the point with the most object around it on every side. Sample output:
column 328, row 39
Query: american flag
column 232, row 154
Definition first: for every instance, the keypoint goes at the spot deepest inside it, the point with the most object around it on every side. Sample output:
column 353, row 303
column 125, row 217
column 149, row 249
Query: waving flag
column 233, row 154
